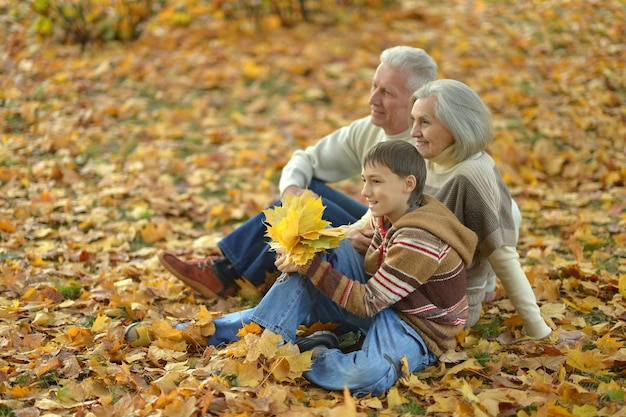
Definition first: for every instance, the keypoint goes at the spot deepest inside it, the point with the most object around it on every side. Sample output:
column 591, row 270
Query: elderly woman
column 452, row 127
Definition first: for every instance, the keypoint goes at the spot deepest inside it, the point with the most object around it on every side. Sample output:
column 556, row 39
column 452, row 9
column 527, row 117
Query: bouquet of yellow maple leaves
column 297, row 228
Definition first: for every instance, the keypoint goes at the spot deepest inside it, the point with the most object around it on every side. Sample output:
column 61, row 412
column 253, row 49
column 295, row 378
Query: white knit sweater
column 337, row 156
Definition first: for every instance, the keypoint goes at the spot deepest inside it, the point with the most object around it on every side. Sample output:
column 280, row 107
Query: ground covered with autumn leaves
column 110, row 154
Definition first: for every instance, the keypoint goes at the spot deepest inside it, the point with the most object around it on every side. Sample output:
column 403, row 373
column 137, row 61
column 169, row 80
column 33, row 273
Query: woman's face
column 430, row 134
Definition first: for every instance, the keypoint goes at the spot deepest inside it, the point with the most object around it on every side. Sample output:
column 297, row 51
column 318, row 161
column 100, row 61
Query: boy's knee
column 374, row 376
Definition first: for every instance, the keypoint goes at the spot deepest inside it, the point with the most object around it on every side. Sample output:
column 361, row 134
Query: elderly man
column 336, row 157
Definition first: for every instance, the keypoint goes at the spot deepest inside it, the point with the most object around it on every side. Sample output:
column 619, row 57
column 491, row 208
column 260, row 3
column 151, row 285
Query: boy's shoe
column 198, row 274
column 320, row 338
column 138, row 334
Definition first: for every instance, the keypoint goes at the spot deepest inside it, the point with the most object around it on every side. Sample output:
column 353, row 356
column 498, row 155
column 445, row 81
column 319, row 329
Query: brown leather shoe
column 198, row 274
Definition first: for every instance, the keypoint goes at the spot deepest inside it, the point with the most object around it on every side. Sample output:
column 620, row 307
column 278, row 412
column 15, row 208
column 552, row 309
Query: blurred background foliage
column 85, row 21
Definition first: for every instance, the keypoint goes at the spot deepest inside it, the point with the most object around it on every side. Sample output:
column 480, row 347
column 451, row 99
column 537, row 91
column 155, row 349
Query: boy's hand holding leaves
column 297, row 230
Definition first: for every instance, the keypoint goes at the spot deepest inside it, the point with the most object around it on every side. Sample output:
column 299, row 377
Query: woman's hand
column 359, row 238
column 569, row 338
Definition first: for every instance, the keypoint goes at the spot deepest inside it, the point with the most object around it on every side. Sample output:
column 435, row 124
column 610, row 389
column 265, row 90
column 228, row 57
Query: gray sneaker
column 320, row 338
column 138, row 334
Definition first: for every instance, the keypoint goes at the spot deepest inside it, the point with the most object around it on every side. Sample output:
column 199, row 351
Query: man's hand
column 359, row 238
column 295, row 190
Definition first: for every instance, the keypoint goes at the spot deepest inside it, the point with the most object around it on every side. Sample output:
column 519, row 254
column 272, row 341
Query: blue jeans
column 371, row 370
column 246, row 247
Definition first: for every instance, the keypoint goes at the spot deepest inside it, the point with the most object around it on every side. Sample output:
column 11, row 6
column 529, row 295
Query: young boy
column 410, row 298
column 407, row 295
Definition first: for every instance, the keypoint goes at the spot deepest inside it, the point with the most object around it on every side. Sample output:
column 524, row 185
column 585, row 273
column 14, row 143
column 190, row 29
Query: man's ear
column 410, row 183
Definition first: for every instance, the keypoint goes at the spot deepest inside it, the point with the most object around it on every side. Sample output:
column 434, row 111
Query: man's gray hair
column 420, row 66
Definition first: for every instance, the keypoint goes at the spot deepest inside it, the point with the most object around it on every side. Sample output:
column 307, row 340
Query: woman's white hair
column 463, row 114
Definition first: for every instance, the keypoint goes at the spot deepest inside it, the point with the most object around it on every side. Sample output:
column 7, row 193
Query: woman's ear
column 410, row 183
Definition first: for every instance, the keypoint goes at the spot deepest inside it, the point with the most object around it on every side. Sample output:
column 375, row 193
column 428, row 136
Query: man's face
column 389, row 99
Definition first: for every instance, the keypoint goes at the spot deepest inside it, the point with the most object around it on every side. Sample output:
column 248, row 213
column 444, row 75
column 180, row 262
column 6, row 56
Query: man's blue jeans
column 246, row 247
column 371, row 370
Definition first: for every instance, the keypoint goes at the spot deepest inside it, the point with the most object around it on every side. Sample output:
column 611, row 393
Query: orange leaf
column 251, row 328
column 79, row 336
column 152, row 233
column 317, row 326
column 20, row 391
column 609, row 345
column 53, row 363
column 7, row 226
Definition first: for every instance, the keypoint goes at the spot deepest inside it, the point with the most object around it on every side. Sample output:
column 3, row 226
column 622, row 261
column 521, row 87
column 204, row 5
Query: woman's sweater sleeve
column 506, row 265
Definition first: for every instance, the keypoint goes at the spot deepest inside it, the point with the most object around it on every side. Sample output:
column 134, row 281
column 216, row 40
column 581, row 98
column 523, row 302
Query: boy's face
column 386, row 193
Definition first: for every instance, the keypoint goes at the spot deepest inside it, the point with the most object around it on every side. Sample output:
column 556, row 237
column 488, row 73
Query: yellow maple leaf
column 468, row 392
column 622, row 285
column 297, row 363
column 203, row 317
column 590, row 361
column 248, row 291
column 395, row 398
column 249, row 373
column 100, row 324
column 297, row 228
column 265, row 345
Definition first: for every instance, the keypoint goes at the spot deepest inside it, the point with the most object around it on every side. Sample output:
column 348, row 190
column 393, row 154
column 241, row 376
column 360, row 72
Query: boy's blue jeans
column 371, row 370
column 246, row 247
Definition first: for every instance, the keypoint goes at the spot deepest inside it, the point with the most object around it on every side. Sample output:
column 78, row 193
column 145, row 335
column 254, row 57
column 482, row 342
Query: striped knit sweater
column 416, row 267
